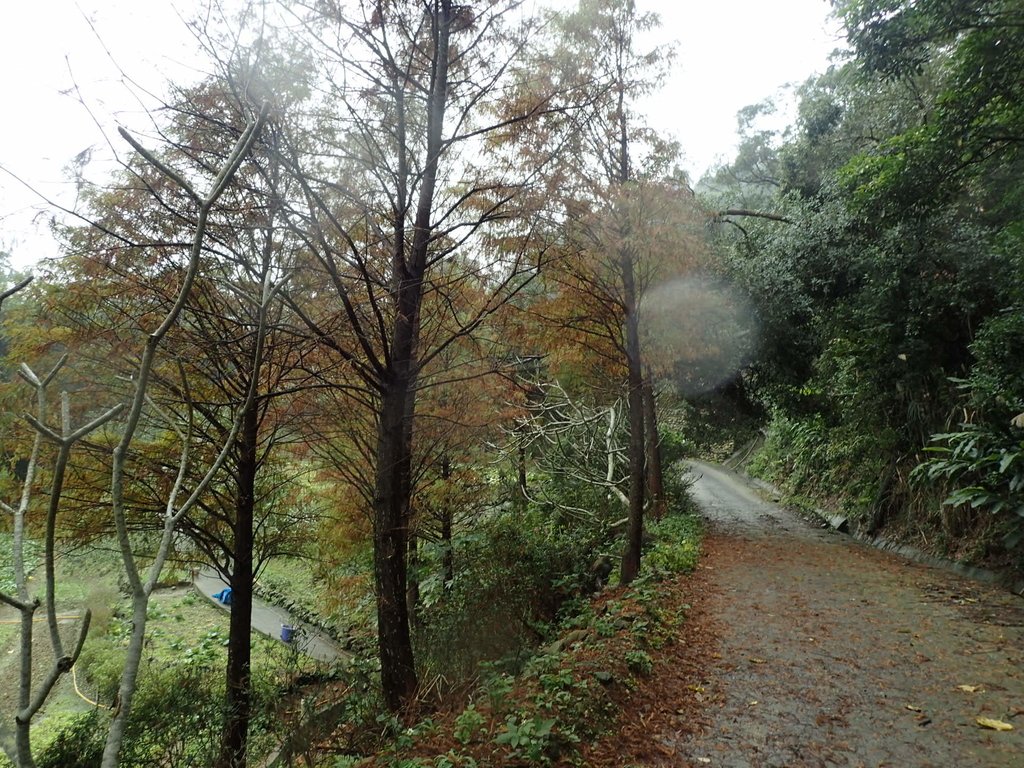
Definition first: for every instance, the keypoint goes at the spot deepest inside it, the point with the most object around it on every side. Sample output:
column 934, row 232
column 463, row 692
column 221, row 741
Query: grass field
column 186, row 635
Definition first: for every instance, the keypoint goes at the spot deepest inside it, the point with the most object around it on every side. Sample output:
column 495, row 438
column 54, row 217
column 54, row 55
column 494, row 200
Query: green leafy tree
column 881, row 276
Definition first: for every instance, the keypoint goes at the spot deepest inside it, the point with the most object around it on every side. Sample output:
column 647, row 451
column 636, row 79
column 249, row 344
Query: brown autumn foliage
column 584, row 310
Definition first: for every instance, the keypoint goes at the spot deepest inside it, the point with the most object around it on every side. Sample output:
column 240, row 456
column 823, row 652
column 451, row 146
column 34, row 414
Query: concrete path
column 803, row 648
column 831, row 653
column 267, row 620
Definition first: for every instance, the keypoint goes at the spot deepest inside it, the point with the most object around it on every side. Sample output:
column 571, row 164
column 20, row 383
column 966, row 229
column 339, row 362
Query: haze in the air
column 65, row 87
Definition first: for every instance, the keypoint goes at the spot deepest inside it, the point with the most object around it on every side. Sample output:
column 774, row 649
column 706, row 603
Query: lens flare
column 697, row 331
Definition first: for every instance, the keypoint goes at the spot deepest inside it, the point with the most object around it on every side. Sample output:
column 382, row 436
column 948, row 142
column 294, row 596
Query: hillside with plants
column 880, row 239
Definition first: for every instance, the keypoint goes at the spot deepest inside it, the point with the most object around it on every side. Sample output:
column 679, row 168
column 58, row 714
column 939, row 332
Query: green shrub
column 639, row 662
column 676, row 544
column 176, row 718
column 673, row 447
column 809, row 457
column 468, row 725
column 511, row 577
column 996, row 380
column 454, row 760
column 985, row 467
column 528, row 737
column 78, row 745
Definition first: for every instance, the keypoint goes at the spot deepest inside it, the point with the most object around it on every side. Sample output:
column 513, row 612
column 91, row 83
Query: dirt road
column 806, row 648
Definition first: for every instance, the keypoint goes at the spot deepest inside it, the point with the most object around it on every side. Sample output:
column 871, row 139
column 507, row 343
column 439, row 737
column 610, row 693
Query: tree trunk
column 390, row 544
column 392, row 486
column 391, row 504
column 447, row 554
column 634, row 535
column 22, row 726
column 630, row 567
column 238, row 692
column 655, row 482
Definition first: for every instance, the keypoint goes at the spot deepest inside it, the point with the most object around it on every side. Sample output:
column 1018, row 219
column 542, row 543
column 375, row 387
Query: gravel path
column 806, row 648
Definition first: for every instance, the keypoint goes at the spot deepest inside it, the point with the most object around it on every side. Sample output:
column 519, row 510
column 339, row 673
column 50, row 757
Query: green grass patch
column 293, row 575
column 675, row 544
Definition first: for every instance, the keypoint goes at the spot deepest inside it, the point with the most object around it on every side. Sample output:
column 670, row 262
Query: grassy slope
column 183, row 629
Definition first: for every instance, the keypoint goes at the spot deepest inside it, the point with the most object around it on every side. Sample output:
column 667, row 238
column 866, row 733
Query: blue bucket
column 287, row 633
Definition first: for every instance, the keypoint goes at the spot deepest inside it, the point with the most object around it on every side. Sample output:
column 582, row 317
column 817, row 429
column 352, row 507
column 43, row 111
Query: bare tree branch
column 720, row 216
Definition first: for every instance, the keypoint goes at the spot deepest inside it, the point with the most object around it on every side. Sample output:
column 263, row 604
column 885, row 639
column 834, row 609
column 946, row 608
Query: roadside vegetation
column 882, row 229
column 527, row 669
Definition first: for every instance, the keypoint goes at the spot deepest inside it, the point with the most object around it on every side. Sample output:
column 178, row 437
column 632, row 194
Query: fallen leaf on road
column 755, row 660
column 912, row 708
column 971, row 688
column 753, row 703
column 995, row 725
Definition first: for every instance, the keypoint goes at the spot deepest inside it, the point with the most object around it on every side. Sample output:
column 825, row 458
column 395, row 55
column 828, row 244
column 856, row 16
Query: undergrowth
column 539, row 711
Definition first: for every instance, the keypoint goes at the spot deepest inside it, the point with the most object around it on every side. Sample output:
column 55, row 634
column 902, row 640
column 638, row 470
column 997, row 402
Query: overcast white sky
column 730, row 54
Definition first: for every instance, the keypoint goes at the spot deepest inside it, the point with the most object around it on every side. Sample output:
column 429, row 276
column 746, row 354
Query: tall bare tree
column 421, row 195
column 142, row 582
column 608, row 206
